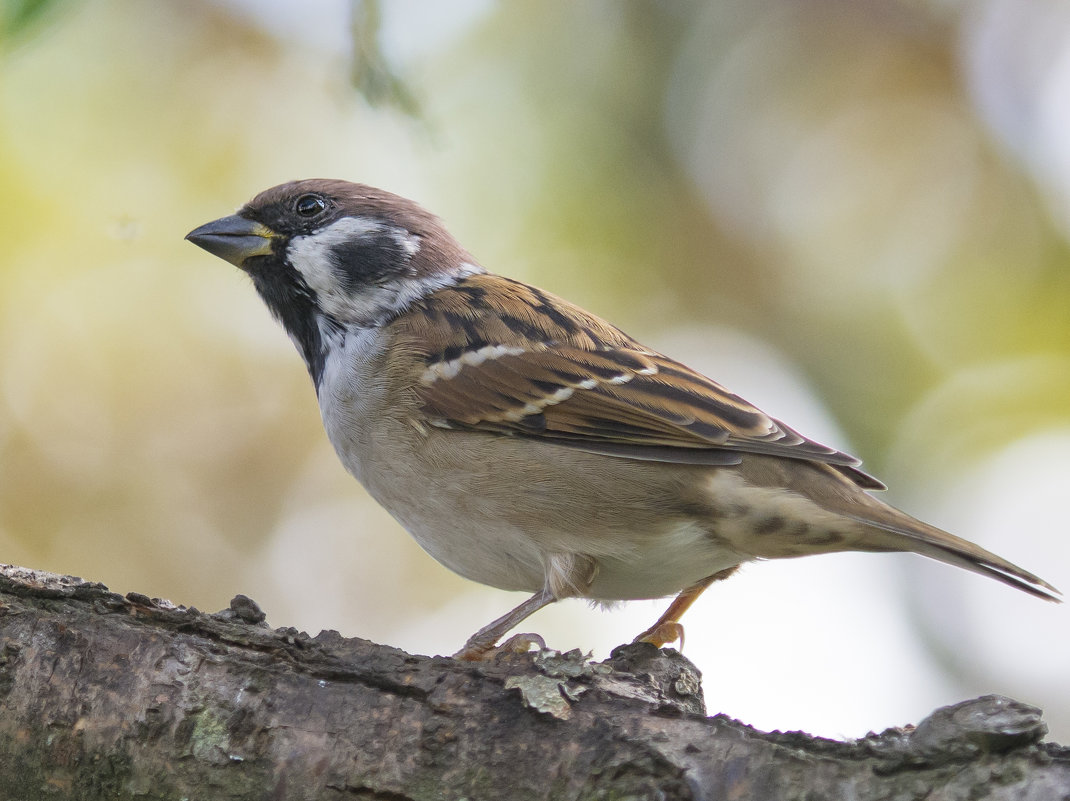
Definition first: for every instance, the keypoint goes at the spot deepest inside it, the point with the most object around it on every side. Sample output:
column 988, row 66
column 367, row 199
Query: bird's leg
column 481, row 644
column 668, row 628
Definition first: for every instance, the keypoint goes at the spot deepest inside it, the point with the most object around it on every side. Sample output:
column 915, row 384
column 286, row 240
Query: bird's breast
column 353, row 396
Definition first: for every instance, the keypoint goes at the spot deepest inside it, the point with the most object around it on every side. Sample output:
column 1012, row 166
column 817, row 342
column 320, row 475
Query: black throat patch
column 294, row 304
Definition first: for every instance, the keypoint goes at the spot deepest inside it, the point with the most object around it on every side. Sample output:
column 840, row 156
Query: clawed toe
column 661, row 634
column 517, row 644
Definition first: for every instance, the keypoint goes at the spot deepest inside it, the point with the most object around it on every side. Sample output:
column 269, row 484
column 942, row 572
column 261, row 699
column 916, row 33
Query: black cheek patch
column 369, row 260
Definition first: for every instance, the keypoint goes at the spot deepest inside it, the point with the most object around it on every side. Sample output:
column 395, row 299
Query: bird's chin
column 254, row 264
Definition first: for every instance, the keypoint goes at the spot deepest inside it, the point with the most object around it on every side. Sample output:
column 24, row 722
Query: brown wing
column 517, row 361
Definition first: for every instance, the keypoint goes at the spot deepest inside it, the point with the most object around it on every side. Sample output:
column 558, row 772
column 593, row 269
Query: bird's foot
column 662, row 634
column 517, row 644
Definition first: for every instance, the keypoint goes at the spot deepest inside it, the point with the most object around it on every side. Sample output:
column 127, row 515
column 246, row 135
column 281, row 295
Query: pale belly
column 513, row 525
column 654, row 564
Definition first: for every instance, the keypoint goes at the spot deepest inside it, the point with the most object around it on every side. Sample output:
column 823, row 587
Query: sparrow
column 526, row 443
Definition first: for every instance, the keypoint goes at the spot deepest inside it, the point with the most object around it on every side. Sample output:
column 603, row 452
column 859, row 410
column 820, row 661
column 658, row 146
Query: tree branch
column 105, row 696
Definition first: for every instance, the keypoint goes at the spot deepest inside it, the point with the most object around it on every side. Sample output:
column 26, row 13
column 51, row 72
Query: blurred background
column 855, row 214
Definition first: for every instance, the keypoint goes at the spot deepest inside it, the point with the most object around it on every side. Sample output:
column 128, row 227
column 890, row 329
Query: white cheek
column 312, row 255
column 410, row 243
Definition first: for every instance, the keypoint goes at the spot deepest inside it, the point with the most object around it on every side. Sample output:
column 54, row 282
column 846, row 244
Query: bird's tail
column 889, row 529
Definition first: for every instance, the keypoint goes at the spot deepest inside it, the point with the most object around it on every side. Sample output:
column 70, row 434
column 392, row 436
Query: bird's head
column 329, row 255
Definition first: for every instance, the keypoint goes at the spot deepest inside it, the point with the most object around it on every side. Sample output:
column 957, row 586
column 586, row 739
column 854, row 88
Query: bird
column 529, row 445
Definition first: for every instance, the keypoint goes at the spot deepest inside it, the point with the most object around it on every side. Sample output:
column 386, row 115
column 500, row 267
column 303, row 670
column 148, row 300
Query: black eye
column 310, row 205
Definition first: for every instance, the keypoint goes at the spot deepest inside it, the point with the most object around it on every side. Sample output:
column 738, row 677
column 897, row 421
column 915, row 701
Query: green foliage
column 18, row 18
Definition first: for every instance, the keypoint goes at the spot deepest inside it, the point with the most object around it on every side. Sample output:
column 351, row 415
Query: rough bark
column 105, row 696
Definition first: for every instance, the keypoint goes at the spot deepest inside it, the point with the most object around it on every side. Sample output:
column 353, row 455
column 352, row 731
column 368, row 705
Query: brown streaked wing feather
column 581, row 382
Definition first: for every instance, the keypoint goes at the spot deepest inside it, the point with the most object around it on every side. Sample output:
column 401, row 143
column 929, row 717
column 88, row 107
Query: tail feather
column 937, row 544
column 817, row 495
